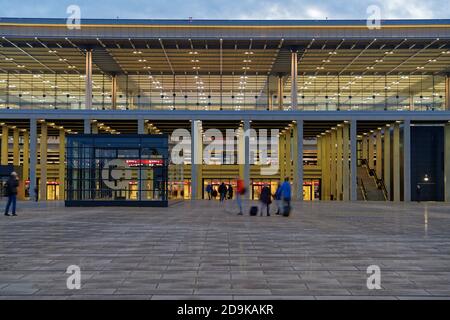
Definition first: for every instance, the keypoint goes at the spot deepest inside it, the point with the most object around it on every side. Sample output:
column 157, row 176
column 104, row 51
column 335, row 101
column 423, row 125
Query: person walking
column 240, row 191
column 265, row 199
column 230, row 192
column 286, row 194
column 11, row 191
column 208, row 190
column 278, row 200
column 222, row 191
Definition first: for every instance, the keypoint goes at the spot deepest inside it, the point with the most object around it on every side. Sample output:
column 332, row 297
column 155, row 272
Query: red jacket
column 240, row 186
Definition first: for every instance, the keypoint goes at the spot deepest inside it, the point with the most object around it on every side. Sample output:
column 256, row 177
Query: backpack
column 6, row 189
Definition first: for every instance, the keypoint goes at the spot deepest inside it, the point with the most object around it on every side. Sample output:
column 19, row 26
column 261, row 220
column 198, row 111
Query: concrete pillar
column 87, row 126
column 298, row 160
column 353, row 161
column 407, row 160
column 43, row 163
column 241, row 151
column 294, row 76
column 288, row 172
column 26, row 159
column 387, row 160
column 282, row 156
column 447, row 92
column 247, row 157
column 325, row 166
column 333, row 164
column 196, row 158
column 371, row 158
column 143, row 174
column 16, row 147
column 280, row 92
column 345, row 162
column 319, row 150
column 365, row 148
column 5, row 147
column 114, row 92
column 339, row 154
column 396, row 162
column 88, row 80
column 447, row 162
column 379, row 163
column 62, row 165
column 33, row 158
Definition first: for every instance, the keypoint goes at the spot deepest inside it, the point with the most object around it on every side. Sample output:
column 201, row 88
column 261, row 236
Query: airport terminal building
column 87, row 114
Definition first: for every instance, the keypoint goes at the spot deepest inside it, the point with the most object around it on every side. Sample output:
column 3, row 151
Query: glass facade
column 414, row 92
column 117, row 170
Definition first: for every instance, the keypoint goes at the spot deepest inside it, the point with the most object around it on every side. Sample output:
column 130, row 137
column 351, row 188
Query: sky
column 228, row 9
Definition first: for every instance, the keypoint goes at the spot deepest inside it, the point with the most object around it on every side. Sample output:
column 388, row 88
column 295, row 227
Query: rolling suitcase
column 254, row 211
column 286, row 211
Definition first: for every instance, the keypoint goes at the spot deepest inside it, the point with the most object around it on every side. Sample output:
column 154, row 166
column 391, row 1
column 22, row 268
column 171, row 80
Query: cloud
column 229, row 9
column 398, row 9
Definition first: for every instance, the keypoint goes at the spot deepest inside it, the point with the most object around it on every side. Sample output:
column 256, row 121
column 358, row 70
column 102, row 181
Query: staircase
column 368, row 187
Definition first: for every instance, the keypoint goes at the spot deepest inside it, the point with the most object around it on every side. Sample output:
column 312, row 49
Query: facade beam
column 345, row 163
column 396, row 162
column 353, row 161
column 43, row 162
column 407, row 160
column 387, row 160
column 62, row 165
column 33, row 160
column 5, row 145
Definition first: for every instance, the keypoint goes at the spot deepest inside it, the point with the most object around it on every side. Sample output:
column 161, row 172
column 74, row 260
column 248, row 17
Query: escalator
column 370, row 189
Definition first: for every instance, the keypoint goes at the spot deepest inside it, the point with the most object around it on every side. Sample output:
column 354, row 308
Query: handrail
column 363, row 190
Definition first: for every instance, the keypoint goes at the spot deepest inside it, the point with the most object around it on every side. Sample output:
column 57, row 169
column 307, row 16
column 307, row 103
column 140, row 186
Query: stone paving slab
column 199, row 250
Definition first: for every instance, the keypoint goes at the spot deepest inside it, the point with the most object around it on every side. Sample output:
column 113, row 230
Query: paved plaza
column 202, row 250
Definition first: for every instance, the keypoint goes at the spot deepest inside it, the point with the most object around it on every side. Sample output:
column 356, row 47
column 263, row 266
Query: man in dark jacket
column 230, row 192
column 222, row 191
column 265, row 199
column 11, row 191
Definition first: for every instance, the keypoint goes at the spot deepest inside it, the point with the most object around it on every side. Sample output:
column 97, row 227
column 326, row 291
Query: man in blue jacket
column 285, row 191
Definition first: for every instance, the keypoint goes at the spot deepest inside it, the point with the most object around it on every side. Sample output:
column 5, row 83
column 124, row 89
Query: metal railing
column 363, row 189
